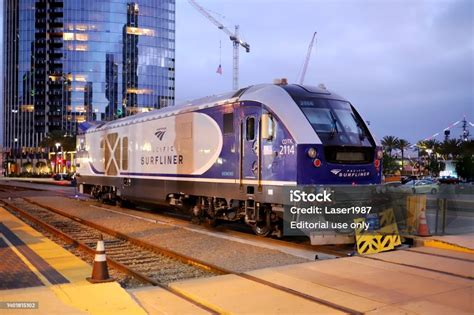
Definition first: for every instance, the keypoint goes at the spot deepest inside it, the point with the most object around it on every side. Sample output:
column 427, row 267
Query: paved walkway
column 394, row 282
column 35, row 269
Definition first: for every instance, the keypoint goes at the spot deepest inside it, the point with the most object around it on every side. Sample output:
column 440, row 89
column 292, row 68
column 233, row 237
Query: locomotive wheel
column 261, row 229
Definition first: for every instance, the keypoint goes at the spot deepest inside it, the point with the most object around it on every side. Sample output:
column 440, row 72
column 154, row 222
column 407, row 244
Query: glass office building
column 70, row 61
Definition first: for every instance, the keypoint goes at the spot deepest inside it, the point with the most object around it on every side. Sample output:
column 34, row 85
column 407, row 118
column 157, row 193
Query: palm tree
column 402, row 145
column 433, row 145
column 421, row 147
column 451, row 148
column 389, row 143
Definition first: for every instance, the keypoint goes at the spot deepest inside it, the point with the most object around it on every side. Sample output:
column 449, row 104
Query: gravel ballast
column 227, row 254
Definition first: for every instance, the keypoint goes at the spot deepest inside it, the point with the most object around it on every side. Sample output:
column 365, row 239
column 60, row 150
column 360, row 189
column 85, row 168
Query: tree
column 465, row 161
column 451, row 148
column 402, row 145
column 389, row 164
column 422, row 147
column 465, row 167
column 68, row 143
column 389, row 143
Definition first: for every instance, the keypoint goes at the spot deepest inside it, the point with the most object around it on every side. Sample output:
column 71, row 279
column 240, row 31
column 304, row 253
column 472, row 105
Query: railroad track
column 183, row 221
column 147, row 262
column 10, row 188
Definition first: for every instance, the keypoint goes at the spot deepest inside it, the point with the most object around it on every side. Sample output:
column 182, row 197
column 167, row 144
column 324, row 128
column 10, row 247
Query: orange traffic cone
column 100, row 272
column 423, row 228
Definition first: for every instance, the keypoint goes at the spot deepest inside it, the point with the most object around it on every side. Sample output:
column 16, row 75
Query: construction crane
column 308, row 56
column 234, row 37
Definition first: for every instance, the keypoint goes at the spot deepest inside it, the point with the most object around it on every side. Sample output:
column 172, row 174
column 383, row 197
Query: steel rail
column 420, row 268
column 183, row 222
column 91, row 251
column 196, row 262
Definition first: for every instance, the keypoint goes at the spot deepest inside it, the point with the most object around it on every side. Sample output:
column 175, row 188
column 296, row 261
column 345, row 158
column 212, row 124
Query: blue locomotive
column 231, row 156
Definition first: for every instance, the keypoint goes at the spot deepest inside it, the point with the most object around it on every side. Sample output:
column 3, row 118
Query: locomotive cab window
column 250, row 128
column 228, row 123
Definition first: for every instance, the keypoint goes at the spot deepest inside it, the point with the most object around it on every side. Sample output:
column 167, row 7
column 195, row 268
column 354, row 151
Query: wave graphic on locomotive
column 231, row 156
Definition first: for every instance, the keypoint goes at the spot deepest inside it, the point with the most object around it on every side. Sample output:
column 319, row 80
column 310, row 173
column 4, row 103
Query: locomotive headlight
column 312, row 153
column 379, row 154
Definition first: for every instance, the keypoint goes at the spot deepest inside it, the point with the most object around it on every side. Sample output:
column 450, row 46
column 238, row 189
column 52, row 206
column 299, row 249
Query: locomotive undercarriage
column 259, row 216
column 264, row 219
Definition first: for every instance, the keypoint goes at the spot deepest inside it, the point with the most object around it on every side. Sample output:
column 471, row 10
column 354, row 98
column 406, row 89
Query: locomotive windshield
column 335, row 122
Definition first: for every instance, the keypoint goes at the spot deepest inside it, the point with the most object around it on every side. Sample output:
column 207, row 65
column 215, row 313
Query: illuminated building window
column 140, row 31
column 27, row 108
column 80, row 78
column 81, row 27
column 138, row 91
column 82, row 37
column 68, row 36
column 81, row 48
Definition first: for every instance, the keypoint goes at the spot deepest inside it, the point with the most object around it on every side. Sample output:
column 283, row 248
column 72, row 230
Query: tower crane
column 233, row 36
column 308, row 56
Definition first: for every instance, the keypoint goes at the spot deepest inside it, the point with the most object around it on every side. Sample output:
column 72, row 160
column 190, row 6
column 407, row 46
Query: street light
column 56, row 165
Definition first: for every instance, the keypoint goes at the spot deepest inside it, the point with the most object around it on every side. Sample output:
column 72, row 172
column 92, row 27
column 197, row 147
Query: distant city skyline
column 67, row 62
column 407, row 66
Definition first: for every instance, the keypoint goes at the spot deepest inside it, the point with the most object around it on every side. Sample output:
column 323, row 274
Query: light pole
column 15, row 150
column 56, row 168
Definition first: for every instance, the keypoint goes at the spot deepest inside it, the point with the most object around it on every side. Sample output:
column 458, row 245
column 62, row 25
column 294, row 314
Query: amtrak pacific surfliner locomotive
column 230, row 157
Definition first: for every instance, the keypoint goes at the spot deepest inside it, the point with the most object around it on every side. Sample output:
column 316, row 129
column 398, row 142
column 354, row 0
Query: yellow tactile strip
column 76, row 297
column 13, row 271
column 52, row 275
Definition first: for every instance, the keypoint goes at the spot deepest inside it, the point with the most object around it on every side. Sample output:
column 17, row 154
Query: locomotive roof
column 277, row 97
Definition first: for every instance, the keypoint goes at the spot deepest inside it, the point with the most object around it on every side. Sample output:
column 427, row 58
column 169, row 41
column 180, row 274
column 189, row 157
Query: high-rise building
column 69, row 61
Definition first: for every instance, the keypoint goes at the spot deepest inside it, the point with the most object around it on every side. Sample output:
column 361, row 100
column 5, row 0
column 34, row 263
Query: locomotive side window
column 250, row 131
column 125, row 153
column 229, row 123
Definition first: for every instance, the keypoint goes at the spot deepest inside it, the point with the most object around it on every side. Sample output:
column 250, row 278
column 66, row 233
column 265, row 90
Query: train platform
column 35, row 270
column 462, row 243
column 418, row 281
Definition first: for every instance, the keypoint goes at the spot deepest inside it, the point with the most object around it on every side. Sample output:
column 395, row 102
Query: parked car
column 421, row 186
column 406, row 179
column 448, row 180
column 62, row 176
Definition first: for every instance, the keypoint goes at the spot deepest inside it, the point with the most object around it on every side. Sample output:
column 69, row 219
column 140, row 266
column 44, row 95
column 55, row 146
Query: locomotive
column 231, row 156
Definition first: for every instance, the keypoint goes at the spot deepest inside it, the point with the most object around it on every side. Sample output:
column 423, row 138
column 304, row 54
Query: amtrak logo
column 350, row 172
column 335, row 171
column 160, row 132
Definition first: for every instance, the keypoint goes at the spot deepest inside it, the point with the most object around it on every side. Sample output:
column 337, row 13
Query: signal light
column 377, row 163
column 312, row 153
column 317, row 162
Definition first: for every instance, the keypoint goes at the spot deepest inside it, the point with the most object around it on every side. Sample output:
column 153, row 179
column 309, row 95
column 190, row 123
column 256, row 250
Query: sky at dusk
column 408, row 66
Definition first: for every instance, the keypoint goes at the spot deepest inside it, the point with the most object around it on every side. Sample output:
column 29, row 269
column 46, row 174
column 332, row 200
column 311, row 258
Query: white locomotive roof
column 204, row 102
column 273, row 96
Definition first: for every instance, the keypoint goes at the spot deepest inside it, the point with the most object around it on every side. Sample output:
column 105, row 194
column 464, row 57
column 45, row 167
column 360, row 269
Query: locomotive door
column 250, row 163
